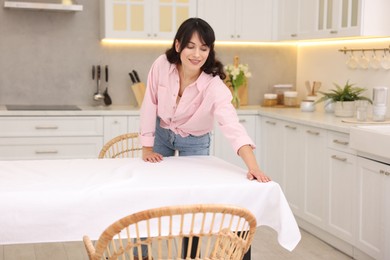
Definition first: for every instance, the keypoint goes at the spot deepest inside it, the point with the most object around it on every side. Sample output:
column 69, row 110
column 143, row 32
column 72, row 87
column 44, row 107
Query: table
column 62, row 200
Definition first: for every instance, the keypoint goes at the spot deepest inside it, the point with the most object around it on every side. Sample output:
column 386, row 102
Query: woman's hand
column 258, row 175
column 149, row 156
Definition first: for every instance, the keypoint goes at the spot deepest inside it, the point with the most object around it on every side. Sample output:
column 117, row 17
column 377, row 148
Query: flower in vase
column 236, row 77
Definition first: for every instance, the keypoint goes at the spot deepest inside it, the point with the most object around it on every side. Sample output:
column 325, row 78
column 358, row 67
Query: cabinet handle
column 386, row 173
column 232, row 36
column 242, row 121
column 238, row 36
column 340, row 142
column 270, row 122
column 294, row 35
column 46, row 151
column 343, row 159
column 290, row 127
column 312, row 132
column 42, row 127
column 333, row 32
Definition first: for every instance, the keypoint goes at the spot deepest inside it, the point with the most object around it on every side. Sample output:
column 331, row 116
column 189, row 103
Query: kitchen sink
column 41, row 107
column 372, row 139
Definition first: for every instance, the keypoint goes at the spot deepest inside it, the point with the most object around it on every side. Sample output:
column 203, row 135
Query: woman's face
column 194, row 54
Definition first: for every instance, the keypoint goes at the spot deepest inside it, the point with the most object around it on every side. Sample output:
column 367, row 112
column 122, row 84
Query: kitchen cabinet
column 58, row 7
column 271, row 149
column 223, row 148
column 133, row 124
column 293, row 162
column 114, row 126
column 345, row 18
column 296, row 19
column 314, row 175
column 308, row 19
column 373, row 208
column 341, row 181
column 235, row 20
column 50, row 137
column 144, row 19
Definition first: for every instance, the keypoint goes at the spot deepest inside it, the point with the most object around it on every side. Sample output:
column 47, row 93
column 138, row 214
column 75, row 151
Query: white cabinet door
column 341, row 178
column 314, row 176
column 271, row 154
column 114, row 126
column 144, row 19
column 372, row 207
column 238, row 20
column 223, row 148
column 345, row 18
column 296, row 19
column 133, row 124
column 294, row 161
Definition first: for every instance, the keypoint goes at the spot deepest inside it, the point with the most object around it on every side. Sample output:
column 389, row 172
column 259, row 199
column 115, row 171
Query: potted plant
column 344, row 98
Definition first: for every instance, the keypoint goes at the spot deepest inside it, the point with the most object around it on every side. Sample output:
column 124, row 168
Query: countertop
column 316, row 119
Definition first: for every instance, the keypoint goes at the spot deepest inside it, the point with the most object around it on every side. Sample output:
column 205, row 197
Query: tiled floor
column 264, row 246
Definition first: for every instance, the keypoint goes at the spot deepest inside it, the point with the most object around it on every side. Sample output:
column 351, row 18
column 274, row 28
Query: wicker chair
column 122, row 146
column 224, row 231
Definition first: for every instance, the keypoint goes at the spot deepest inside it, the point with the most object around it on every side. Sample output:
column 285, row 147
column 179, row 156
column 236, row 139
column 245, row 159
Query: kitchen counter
column 316, row 119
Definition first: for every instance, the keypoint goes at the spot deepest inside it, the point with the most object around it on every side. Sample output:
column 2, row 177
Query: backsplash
column 47, row 57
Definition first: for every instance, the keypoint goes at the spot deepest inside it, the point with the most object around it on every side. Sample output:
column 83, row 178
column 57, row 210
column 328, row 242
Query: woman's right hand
column 149, row 156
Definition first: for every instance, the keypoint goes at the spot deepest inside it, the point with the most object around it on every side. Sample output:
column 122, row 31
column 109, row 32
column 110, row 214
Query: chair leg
column 194, row 247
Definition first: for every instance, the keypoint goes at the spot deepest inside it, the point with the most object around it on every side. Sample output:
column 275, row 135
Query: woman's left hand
column 257, row 175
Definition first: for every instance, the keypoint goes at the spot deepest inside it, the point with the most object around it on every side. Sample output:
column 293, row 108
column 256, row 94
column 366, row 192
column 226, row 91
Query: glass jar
column 279, row 91
column 270, row 100
column 291, row 98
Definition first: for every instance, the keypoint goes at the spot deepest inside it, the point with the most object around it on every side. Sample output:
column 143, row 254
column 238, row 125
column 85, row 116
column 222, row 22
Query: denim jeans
column 167, row 142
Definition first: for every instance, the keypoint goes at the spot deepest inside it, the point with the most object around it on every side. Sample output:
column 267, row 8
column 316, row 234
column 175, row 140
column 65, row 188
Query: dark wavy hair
column 206, row 34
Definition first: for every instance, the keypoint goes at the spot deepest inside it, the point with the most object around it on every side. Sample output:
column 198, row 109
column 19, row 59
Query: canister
column 290, row 98
column 270, row 100
column 279, row 91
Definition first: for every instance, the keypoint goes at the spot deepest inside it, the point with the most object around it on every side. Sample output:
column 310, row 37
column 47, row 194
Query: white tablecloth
column 62, row 200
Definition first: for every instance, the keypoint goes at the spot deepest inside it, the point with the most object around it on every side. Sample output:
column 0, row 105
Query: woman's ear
column 177, row 46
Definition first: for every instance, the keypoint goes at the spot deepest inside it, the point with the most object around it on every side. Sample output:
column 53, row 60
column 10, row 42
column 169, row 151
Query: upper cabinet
column 237, row 20
column 144, row 19
column 296, row 19
column 314, row 19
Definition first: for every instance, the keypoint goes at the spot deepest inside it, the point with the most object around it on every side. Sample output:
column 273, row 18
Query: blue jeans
column 167, row 142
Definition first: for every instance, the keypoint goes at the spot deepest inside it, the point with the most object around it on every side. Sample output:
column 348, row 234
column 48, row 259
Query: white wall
column 323, row 62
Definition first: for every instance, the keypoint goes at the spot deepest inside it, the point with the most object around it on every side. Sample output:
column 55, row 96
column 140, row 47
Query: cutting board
column 139, row 92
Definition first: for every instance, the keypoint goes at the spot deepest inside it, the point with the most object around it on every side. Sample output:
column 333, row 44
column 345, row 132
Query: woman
column 185, row 94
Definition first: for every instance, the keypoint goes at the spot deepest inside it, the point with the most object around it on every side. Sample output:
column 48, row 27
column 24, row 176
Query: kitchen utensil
column 375, row 62
column 98, row 96
column 132, row 78
column 107, row 98
column 308, row 87
column 138, row 87
column 364, row 61
column 136, row 76
column 352, row 61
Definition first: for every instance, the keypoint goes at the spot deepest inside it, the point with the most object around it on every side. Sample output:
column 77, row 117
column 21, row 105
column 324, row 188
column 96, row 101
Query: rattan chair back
column 225, row 232
column 122, row 146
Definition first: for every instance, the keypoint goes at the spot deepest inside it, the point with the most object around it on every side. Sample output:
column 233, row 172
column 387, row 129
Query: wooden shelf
column 42, row 6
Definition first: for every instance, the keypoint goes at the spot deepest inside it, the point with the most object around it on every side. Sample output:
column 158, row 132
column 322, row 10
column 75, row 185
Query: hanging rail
column 345, row 50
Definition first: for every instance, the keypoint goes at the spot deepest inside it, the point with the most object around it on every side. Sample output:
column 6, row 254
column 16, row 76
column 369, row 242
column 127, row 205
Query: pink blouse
column 202, row 102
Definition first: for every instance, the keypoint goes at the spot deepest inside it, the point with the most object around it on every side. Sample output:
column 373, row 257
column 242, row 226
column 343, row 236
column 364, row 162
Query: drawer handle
column 271, row 122
column 386, row 173
column 242, row 121
column 290, row 127
column 46, row 151
column 334, row 32
column 340, row 142
column 312, row 132
column 53, row 127
column 339, row 158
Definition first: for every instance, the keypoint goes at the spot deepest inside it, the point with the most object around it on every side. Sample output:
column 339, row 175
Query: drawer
column 50, row 126
column 50, row 148
column 339, row 141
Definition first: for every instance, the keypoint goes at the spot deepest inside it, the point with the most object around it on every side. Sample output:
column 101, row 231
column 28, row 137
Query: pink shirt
column 205, row 100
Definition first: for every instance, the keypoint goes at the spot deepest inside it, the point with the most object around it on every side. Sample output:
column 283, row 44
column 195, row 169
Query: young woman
column 185, row 94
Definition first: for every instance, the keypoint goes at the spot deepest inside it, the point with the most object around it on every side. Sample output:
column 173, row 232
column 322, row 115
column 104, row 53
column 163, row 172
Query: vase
column 236, row 98
column 344, row 108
